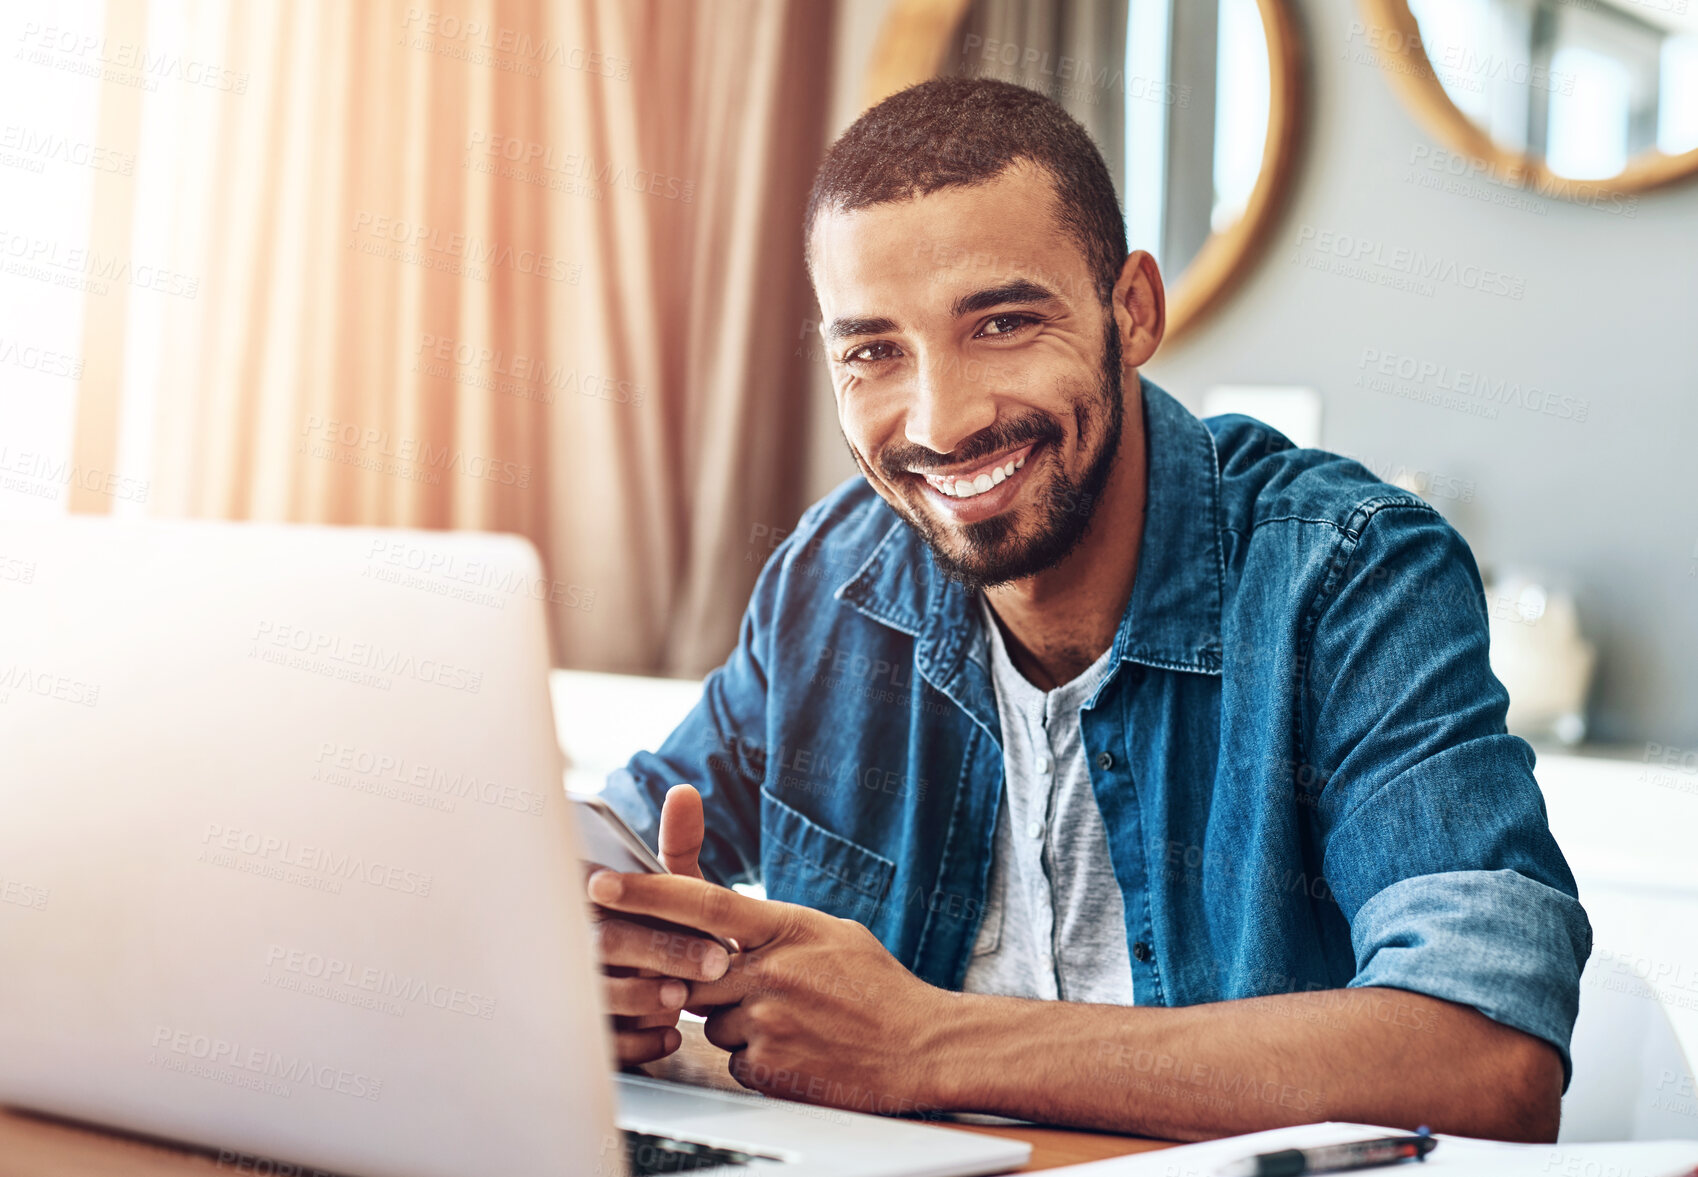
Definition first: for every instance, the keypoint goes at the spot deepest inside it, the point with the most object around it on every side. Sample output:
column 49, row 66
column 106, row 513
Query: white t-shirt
column 1054, row 922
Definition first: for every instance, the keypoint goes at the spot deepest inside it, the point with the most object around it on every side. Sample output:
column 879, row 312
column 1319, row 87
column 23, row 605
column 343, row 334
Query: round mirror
column 1194, row 106
column 1579, row 99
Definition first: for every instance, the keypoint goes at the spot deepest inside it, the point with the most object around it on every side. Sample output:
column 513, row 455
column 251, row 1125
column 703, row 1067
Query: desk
column 31, row 1146
column 698, row 1061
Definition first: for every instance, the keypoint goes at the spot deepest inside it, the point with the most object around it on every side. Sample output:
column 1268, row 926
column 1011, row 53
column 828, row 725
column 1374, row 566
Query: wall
column 1606, row 323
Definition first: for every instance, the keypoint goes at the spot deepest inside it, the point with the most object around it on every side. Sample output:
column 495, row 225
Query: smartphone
column 607, row 839
column 610, row 842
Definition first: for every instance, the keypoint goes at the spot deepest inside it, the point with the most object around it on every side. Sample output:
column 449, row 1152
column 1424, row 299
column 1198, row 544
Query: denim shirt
column 1298, row 750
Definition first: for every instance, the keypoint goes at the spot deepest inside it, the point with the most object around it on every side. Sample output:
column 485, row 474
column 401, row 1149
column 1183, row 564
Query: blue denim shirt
column 1299, row 748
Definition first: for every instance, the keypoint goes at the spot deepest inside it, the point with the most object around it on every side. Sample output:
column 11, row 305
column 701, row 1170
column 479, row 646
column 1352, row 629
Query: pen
column 1334, row 1158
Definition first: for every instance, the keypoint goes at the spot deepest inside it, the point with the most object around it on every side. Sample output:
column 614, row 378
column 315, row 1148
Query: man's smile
column 975, row 478
column 979, row 490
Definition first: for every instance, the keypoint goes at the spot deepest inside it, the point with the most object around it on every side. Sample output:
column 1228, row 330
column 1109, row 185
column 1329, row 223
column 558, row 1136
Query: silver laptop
column 286, row 869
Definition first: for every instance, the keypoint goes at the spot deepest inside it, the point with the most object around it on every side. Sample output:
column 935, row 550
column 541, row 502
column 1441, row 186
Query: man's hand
column 814, row 1008
column 647, row 968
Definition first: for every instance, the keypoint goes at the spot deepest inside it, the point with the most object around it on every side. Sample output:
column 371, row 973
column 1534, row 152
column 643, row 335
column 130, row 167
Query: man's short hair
column 962, row 131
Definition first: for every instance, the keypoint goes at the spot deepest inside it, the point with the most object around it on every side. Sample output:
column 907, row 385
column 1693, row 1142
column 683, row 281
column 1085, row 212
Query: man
column 1102, row 766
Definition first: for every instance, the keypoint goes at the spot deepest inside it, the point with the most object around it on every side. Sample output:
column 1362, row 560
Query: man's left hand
column 813, row 1008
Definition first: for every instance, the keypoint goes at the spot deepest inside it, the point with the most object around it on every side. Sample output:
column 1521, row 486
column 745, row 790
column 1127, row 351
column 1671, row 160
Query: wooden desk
column 33, row 1146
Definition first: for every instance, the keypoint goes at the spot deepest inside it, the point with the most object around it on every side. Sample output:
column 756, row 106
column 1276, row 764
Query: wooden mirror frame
column 914, row 42
column 1417, row 84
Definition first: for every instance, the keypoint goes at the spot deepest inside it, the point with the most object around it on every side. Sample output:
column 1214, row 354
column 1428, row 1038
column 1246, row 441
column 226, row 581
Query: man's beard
column 994, row 551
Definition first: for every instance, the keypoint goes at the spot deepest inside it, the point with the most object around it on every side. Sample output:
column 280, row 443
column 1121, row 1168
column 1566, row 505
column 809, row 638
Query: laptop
column 287, row 870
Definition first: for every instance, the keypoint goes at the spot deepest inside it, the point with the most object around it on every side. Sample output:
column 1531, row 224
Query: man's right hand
column 645, row 968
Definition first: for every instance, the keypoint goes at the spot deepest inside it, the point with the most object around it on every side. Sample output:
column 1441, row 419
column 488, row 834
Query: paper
column 1456, row 1156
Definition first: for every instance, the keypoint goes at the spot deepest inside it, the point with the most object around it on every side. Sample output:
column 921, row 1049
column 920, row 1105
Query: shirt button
column 1043, row 766
column 1105, row 761
column 1035, row 830
column 1141, row 951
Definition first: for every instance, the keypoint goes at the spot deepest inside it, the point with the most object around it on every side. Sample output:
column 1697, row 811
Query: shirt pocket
column 803, row 862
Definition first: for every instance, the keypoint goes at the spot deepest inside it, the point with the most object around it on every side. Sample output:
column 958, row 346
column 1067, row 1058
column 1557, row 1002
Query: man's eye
column 1004, row 324
column 871, row 353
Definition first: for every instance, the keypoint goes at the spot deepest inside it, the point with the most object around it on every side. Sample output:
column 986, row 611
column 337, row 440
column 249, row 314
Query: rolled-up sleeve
column 1435, row 840
column 1508, row 947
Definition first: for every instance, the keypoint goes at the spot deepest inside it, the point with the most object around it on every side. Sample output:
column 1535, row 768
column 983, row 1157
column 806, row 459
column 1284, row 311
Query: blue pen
column 1335, row 1158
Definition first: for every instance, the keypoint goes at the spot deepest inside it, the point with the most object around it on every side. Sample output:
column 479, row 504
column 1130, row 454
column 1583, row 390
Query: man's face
column 977, row 373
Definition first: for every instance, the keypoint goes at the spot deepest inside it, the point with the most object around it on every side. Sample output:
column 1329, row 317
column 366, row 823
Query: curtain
column 498, row 264
column 1073, row 52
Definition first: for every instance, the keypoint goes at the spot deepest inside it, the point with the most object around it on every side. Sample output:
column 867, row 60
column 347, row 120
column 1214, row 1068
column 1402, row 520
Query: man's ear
column 1140, row 309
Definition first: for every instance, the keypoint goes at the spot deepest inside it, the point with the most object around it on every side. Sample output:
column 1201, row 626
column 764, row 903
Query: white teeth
column 961, row 488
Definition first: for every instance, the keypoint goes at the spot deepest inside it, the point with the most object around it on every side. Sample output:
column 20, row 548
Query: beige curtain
column 507, row 264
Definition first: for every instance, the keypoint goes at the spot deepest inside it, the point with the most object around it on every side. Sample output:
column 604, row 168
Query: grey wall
column 1605, row 327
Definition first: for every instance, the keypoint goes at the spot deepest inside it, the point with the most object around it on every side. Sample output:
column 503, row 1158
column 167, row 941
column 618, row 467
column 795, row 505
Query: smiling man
column 1103, row 766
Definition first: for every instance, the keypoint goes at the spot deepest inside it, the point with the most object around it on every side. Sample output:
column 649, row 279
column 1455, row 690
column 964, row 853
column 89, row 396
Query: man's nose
column 951, row 403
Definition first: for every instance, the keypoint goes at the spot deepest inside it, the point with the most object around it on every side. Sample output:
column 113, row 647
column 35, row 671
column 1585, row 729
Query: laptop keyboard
column 647, row 1155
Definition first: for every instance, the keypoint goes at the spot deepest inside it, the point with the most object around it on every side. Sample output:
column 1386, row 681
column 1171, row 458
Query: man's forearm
column 1378, row 1056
